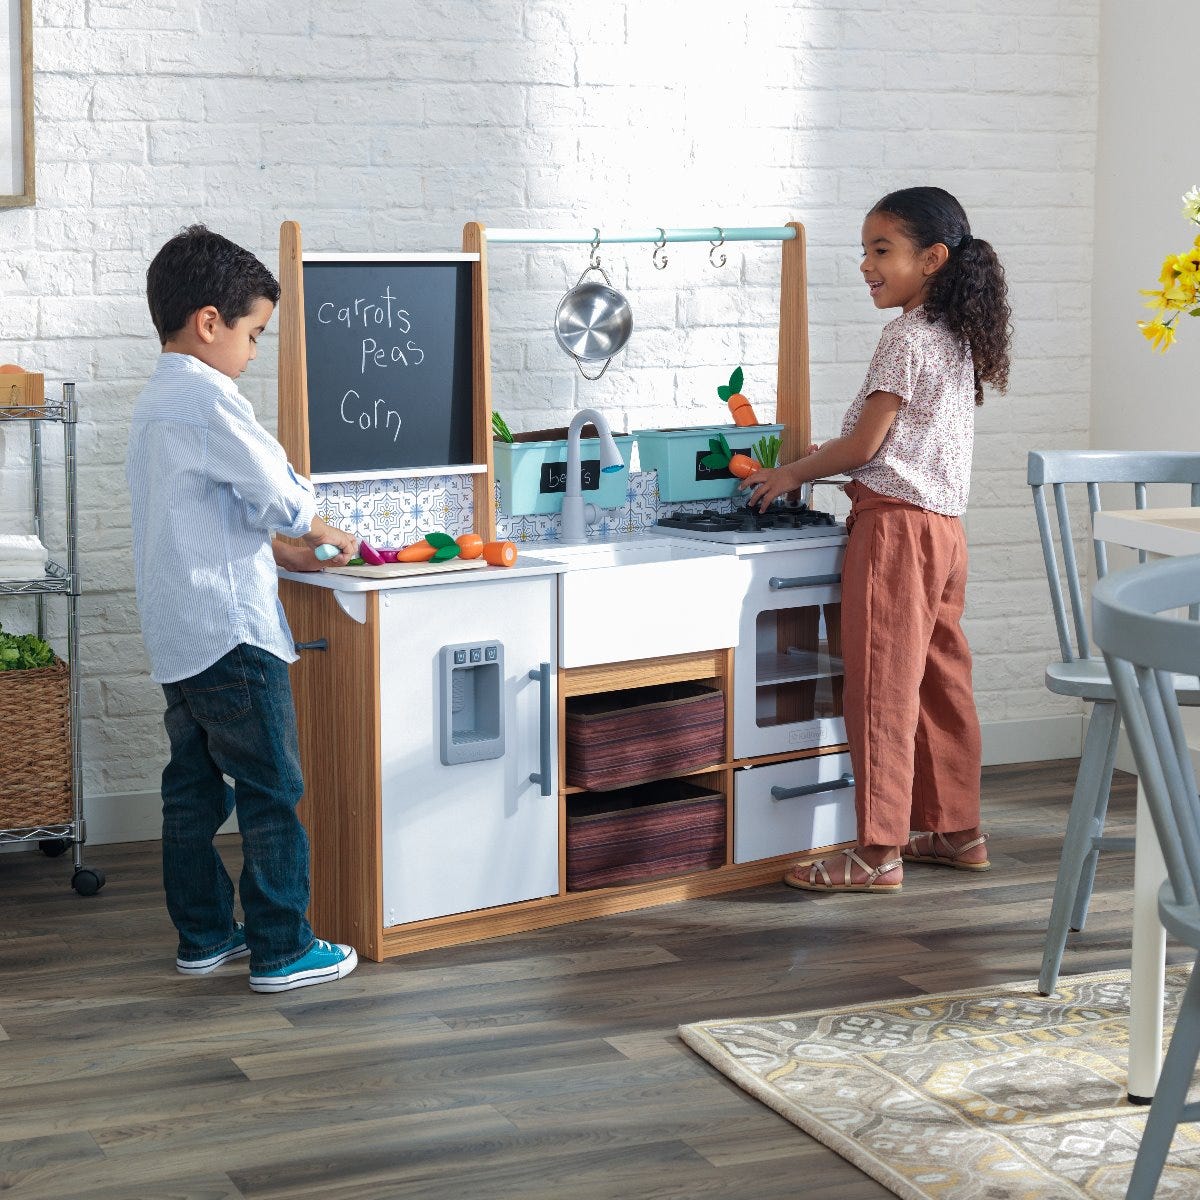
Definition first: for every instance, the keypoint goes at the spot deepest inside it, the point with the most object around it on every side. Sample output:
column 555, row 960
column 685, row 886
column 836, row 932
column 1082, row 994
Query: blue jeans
column 235, row 718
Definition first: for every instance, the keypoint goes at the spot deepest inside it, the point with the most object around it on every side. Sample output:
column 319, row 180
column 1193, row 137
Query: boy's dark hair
column 197, row 268
column 969, row 293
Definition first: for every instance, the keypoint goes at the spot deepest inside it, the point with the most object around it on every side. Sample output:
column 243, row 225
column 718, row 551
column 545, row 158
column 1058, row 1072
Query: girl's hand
column 765, row 485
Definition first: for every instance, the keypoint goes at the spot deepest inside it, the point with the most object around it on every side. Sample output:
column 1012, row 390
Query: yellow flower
column 1191, row 204
column 1158, row 335
column 1179, row 289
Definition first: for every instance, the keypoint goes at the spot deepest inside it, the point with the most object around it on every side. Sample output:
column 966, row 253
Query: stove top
column 746, row 525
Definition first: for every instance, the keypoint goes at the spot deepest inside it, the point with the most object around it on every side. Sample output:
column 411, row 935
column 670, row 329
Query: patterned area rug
column 992, row 1094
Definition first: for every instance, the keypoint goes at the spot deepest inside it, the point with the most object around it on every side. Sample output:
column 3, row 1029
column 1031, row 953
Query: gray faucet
column 574, row 512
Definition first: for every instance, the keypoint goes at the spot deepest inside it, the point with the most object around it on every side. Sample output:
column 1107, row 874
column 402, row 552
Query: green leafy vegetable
column 766, row 450
column 720, row 453
column 500, row 429
column 734, row 386
column 24, row 652
column 444, row 545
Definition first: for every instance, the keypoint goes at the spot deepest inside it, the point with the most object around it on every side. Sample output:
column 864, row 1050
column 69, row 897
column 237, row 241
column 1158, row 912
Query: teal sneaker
column 324, row 962
column 202, row 966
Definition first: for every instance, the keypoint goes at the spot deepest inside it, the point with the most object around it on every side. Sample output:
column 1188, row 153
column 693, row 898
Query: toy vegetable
column 470, row 545
column 722, row 458
column 500, row 428
column 739, row 406
column 500, row 554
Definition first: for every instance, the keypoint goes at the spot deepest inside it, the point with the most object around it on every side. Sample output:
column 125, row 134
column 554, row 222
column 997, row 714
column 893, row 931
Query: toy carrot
column 739, row 406
column 500, row 554
column 420, row 551
column 470, row 545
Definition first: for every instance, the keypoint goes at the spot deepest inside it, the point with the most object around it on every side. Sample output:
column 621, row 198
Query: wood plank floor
column 543, row 1065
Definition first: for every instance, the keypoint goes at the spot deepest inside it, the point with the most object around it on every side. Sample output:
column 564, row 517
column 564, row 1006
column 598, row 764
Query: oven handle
column 813, row 789
column 779, row 584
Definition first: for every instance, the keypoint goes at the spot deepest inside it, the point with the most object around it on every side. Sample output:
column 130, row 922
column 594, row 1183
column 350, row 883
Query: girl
column 906, row 444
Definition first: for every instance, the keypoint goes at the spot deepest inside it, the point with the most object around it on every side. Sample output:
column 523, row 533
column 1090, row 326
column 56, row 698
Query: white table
column 1161, row 532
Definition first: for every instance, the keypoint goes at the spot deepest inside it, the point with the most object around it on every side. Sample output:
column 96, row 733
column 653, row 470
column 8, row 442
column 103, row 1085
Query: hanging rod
column 767, row 233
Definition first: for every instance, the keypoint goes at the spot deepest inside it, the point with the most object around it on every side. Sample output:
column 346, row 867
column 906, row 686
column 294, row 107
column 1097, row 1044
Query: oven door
column 788, row 670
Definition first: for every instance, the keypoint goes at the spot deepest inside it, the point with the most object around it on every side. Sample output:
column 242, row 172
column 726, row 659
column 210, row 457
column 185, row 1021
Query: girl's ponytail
column 969, row 293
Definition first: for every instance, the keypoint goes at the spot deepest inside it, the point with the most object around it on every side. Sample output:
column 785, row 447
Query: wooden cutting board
column 399, row 570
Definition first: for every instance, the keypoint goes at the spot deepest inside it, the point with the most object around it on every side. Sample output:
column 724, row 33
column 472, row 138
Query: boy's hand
column 324, row 534
column 290, row 557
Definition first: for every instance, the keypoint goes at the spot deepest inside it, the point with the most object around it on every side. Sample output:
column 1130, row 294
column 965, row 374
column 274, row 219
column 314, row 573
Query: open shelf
column 795, row 666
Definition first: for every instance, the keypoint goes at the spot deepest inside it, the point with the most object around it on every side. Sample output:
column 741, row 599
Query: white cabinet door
column 787, row 678
column 476, row 834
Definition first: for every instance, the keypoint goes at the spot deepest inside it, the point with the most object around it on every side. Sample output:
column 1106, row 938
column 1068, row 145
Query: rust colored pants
column 910, row 709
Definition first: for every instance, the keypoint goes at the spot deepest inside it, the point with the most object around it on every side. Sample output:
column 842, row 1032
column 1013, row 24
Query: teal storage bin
column 532, row 473
column 676, row 453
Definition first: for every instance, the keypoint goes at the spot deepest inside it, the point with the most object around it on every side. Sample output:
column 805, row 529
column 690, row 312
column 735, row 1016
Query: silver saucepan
column 593, row 322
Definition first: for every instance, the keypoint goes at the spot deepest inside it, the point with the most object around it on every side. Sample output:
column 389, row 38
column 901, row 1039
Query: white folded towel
column 20, row 545
column 22, row 556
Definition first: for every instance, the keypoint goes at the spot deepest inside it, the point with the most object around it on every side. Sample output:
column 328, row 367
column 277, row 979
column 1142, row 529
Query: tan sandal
column 950, row 856
column 811, row 882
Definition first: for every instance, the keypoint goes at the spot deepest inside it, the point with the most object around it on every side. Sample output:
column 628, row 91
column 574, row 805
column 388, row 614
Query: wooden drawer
column 767, row 824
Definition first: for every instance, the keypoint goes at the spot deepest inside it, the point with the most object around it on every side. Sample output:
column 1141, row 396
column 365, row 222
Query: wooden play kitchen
column 559, row 823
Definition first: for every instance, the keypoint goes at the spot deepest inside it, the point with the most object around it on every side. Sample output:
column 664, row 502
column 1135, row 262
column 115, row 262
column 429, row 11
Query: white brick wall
column 386, row 124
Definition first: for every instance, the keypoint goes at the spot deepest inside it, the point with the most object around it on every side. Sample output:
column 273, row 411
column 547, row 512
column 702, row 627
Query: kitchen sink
column 629, row 599
column 617, row 552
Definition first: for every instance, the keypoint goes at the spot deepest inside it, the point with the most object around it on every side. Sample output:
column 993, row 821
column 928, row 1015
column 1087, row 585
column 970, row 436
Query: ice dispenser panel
column 472, row 717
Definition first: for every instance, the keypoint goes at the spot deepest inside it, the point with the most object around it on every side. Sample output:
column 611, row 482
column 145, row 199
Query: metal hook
column 659, row 246
column 595, row 249
column 715, row 246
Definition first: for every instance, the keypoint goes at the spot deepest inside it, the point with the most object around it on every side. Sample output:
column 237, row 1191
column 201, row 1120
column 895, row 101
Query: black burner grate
column 747, row 520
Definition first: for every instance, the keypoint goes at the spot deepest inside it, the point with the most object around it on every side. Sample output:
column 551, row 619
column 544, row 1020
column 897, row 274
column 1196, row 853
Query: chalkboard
column 388, row 360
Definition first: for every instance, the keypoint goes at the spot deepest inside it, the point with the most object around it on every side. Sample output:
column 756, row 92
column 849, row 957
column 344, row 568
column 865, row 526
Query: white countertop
column 533, row 558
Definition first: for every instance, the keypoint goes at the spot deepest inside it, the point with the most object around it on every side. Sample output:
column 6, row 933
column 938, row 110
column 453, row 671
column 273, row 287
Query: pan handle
column 579, row 363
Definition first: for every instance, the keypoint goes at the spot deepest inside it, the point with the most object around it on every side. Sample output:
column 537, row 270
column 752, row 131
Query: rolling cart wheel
column 53, row 847
column 87, row 881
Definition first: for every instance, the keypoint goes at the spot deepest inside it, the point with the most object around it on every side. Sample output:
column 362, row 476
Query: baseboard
column 1124, row 760
column 1034, row 739
column 129, row 817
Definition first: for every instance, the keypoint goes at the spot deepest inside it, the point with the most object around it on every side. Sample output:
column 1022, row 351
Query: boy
column 209, row 487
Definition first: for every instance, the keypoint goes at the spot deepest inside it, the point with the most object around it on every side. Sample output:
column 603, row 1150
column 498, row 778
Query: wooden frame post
column 793, row 406
column 474, row 241
column 293, row 377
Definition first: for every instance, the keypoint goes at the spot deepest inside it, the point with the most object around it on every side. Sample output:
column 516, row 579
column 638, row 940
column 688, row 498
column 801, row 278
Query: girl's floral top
column 926, row 456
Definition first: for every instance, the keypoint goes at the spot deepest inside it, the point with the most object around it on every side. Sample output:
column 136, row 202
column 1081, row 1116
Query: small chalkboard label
column 703, row 472
column 554, row 476
column 388, row 355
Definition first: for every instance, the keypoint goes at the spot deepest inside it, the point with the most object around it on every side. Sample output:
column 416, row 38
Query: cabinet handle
column 779, row 584
column 319, row 644
column 545, row 732
column 812, row 789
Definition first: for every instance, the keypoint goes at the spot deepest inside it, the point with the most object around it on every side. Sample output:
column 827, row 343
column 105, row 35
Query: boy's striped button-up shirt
column 209, row 485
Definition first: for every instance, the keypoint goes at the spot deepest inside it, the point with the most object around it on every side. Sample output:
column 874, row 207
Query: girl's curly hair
column 969, row 293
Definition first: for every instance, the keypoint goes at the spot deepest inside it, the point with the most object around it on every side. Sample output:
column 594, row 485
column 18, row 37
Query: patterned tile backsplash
column 394, row 512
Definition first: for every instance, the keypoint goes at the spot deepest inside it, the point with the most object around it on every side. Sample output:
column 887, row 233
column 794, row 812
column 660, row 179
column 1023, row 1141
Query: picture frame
column 16, row 104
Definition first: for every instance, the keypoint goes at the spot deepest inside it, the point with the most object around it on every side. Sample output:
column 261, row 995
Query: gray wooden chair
column 1082, row 671
column 1144, row 651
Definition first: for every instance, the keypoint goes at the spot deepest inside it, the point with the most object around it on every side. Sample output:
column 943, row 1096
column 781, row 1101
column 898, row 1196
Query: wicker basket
column 35, row 747
column 617, row 739
column 671, row 827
